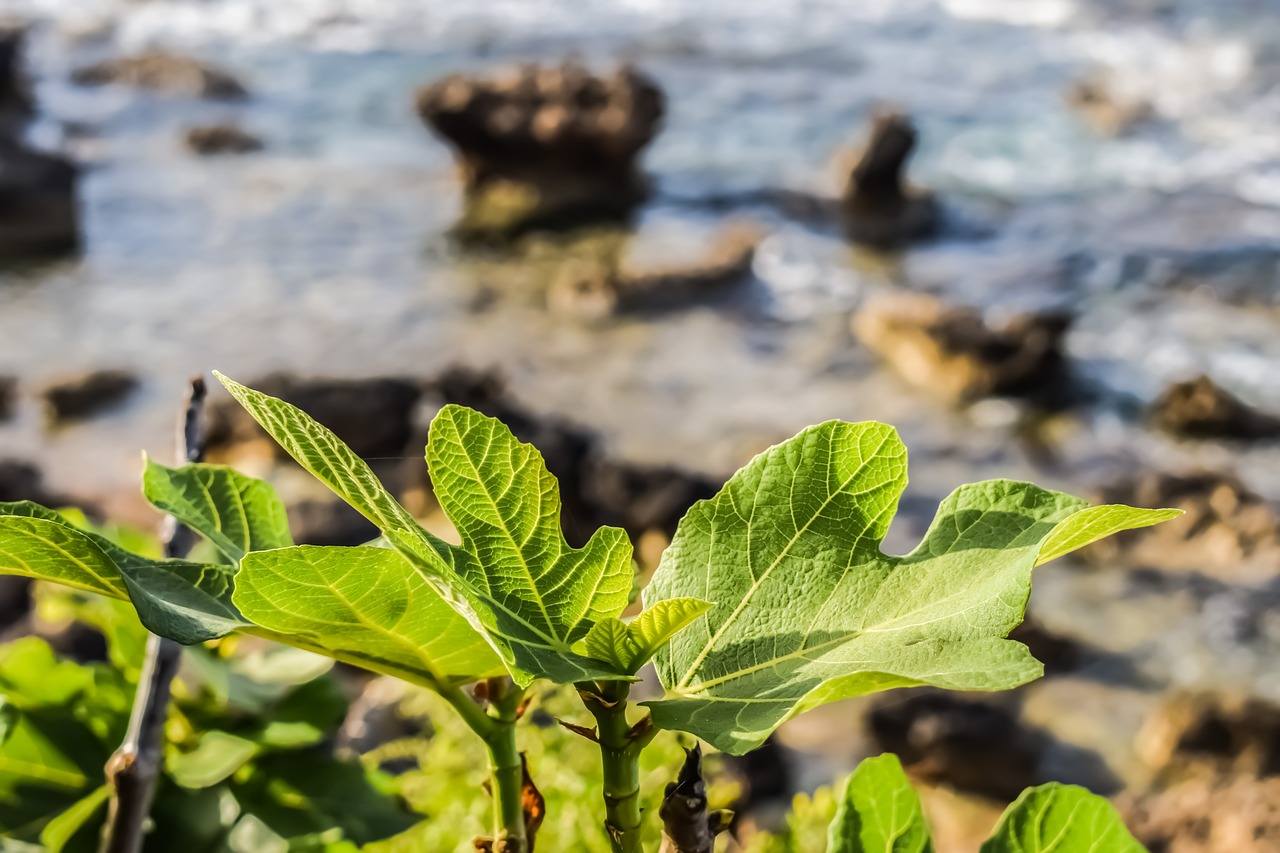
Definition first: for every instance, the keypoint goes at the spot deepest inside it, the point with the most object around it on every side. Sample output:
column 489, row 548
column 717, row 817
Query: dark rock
column 224, row 138
column 8, row 396
column 1200, row 408
column 373, row 416
column 593, row 290
column 640, row 498
column 329, row 522
column 973, row 746
column 955, row 353
column 16, row 104
column 1058, row 654
column 1224, row 734
column 163, row 72
column 88, row 395
column 22, row 481
column 38, row 210
column 545, row 147
column 879, row 208
column 1226, row 530
column 1207, row 815
column 1105, row 110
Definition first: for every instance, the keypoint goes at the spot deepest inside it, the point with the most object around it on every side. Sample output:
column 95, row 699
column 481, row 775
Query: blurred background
column 1040, row 237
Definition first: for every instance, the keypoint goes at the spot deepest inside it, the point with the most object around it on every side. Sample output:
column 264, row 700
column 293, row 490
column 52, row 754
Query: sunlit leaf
column 630, row 646
column 810, row 610
column 1058, row 818
column 880, row 812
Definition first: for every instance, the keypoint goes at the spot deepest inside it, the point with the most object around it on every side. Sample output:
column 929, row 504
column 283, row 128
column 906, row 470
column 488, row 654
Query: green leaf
column 1057, row 818
column 514, row 578
column 630, row 646
column 31, row 676
column 880, row 812
column 216, row 756
column 184, row 601
column 810, row 610
column 58, row 832
column 8, row 717
column 365, row 605
column 237, row 514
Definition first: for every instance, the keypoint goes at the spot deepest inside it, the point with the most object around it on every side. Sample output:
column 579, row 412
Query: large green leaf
column 809, row 610
column 184, row 601
column 1058, row 818
column 880, row 812
column 514, row 578
column 362, row 604
column 237, row 514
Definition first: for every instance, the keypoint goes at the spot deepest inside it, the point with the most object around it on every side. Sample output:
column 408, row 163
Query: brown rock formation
column 545, row 147
column 954, row 353
column 223, row 138
column 879, row 208
column 87, row 395
column 1094, row 98
column 163, row 72
column 1224, row 734
column 1200, row 408
column 1221, row 814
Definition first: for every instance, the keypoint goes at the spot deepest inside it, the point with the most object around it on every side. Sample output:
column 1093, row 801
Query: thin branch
column 134, row 768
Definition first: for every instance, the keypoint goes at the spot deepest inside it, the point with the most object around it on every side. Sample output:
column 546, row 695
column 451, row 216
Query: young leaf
column 58, row 832
column 1057, row 818
column 366, row 605
column 810, row 610
column 216, row 756
column 532, row 598
column 184, row 601
column 629, row 647
column 237, row 514
column 879, row 811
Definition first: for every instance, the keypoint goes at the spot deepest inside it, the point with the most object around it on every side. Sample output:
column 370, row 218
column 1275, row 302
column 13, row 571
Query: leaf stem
column 620, row 747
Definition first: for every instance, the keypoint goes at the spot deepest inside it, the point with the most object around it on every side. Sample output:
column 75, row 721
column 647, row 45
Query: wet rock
column 944, row 738
column 329, row 522
column 373, row 416
column 164, row 72
column 87, row 395
column 1104, row 109
column 1208, row 815
column 223, row 138
column 956, row 354
column 879, row 209
column 1200, row 408
column 8, row 396
column 1224, row 734
column 38, row 209
column 1226, row 530
column 593, row 290
column 15, row 92
column 545, row 146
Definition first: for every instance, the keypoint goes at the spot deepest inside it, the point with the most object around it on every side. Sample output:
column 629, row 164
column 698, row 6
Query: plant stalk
column 134, row 769
column 620, row 747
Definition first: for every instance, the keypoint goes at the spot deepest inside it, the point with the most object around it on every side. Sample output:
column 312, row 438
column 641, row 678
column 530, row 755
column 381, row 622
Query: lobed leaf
column 1057, row 818
column 514, row 578
column 809, row 608
column 630, row 646
column 879, row 812
column 236, row 513
column 184, row 601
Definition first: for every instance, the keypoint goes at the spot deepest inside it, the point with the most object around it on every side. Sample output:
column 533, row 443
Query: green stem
column 496, row 726
column 620, row 747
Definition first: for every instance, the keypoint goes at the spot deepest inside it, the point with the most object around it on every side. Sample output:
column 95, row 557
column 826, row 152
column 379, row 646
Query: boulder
column 1200, row 408
column 944, row 738
column 545, row 146
column 373, row 416
column 38, row 210
column 16, row 105
column 1096, row 100
column 956, row 354
column 222, row 138
column 163, row 72
column 592, row 290
column 8, row 396
column 879, row 209
column 1223, row 734
column 1226, row 530
column 1214, row 814
column 83, row 396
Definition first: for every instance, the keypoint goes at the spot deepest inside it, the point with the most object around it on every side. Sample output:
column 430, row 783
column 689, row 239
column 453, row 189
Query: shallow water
column 326, row 253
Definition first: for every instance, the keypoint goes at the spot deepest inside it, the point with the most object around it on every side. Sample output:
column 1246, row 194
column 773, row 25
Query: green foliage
column 1057, row 818
column 247, row 765
column 879, row 811
column 630, row 646
column 809, row 610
